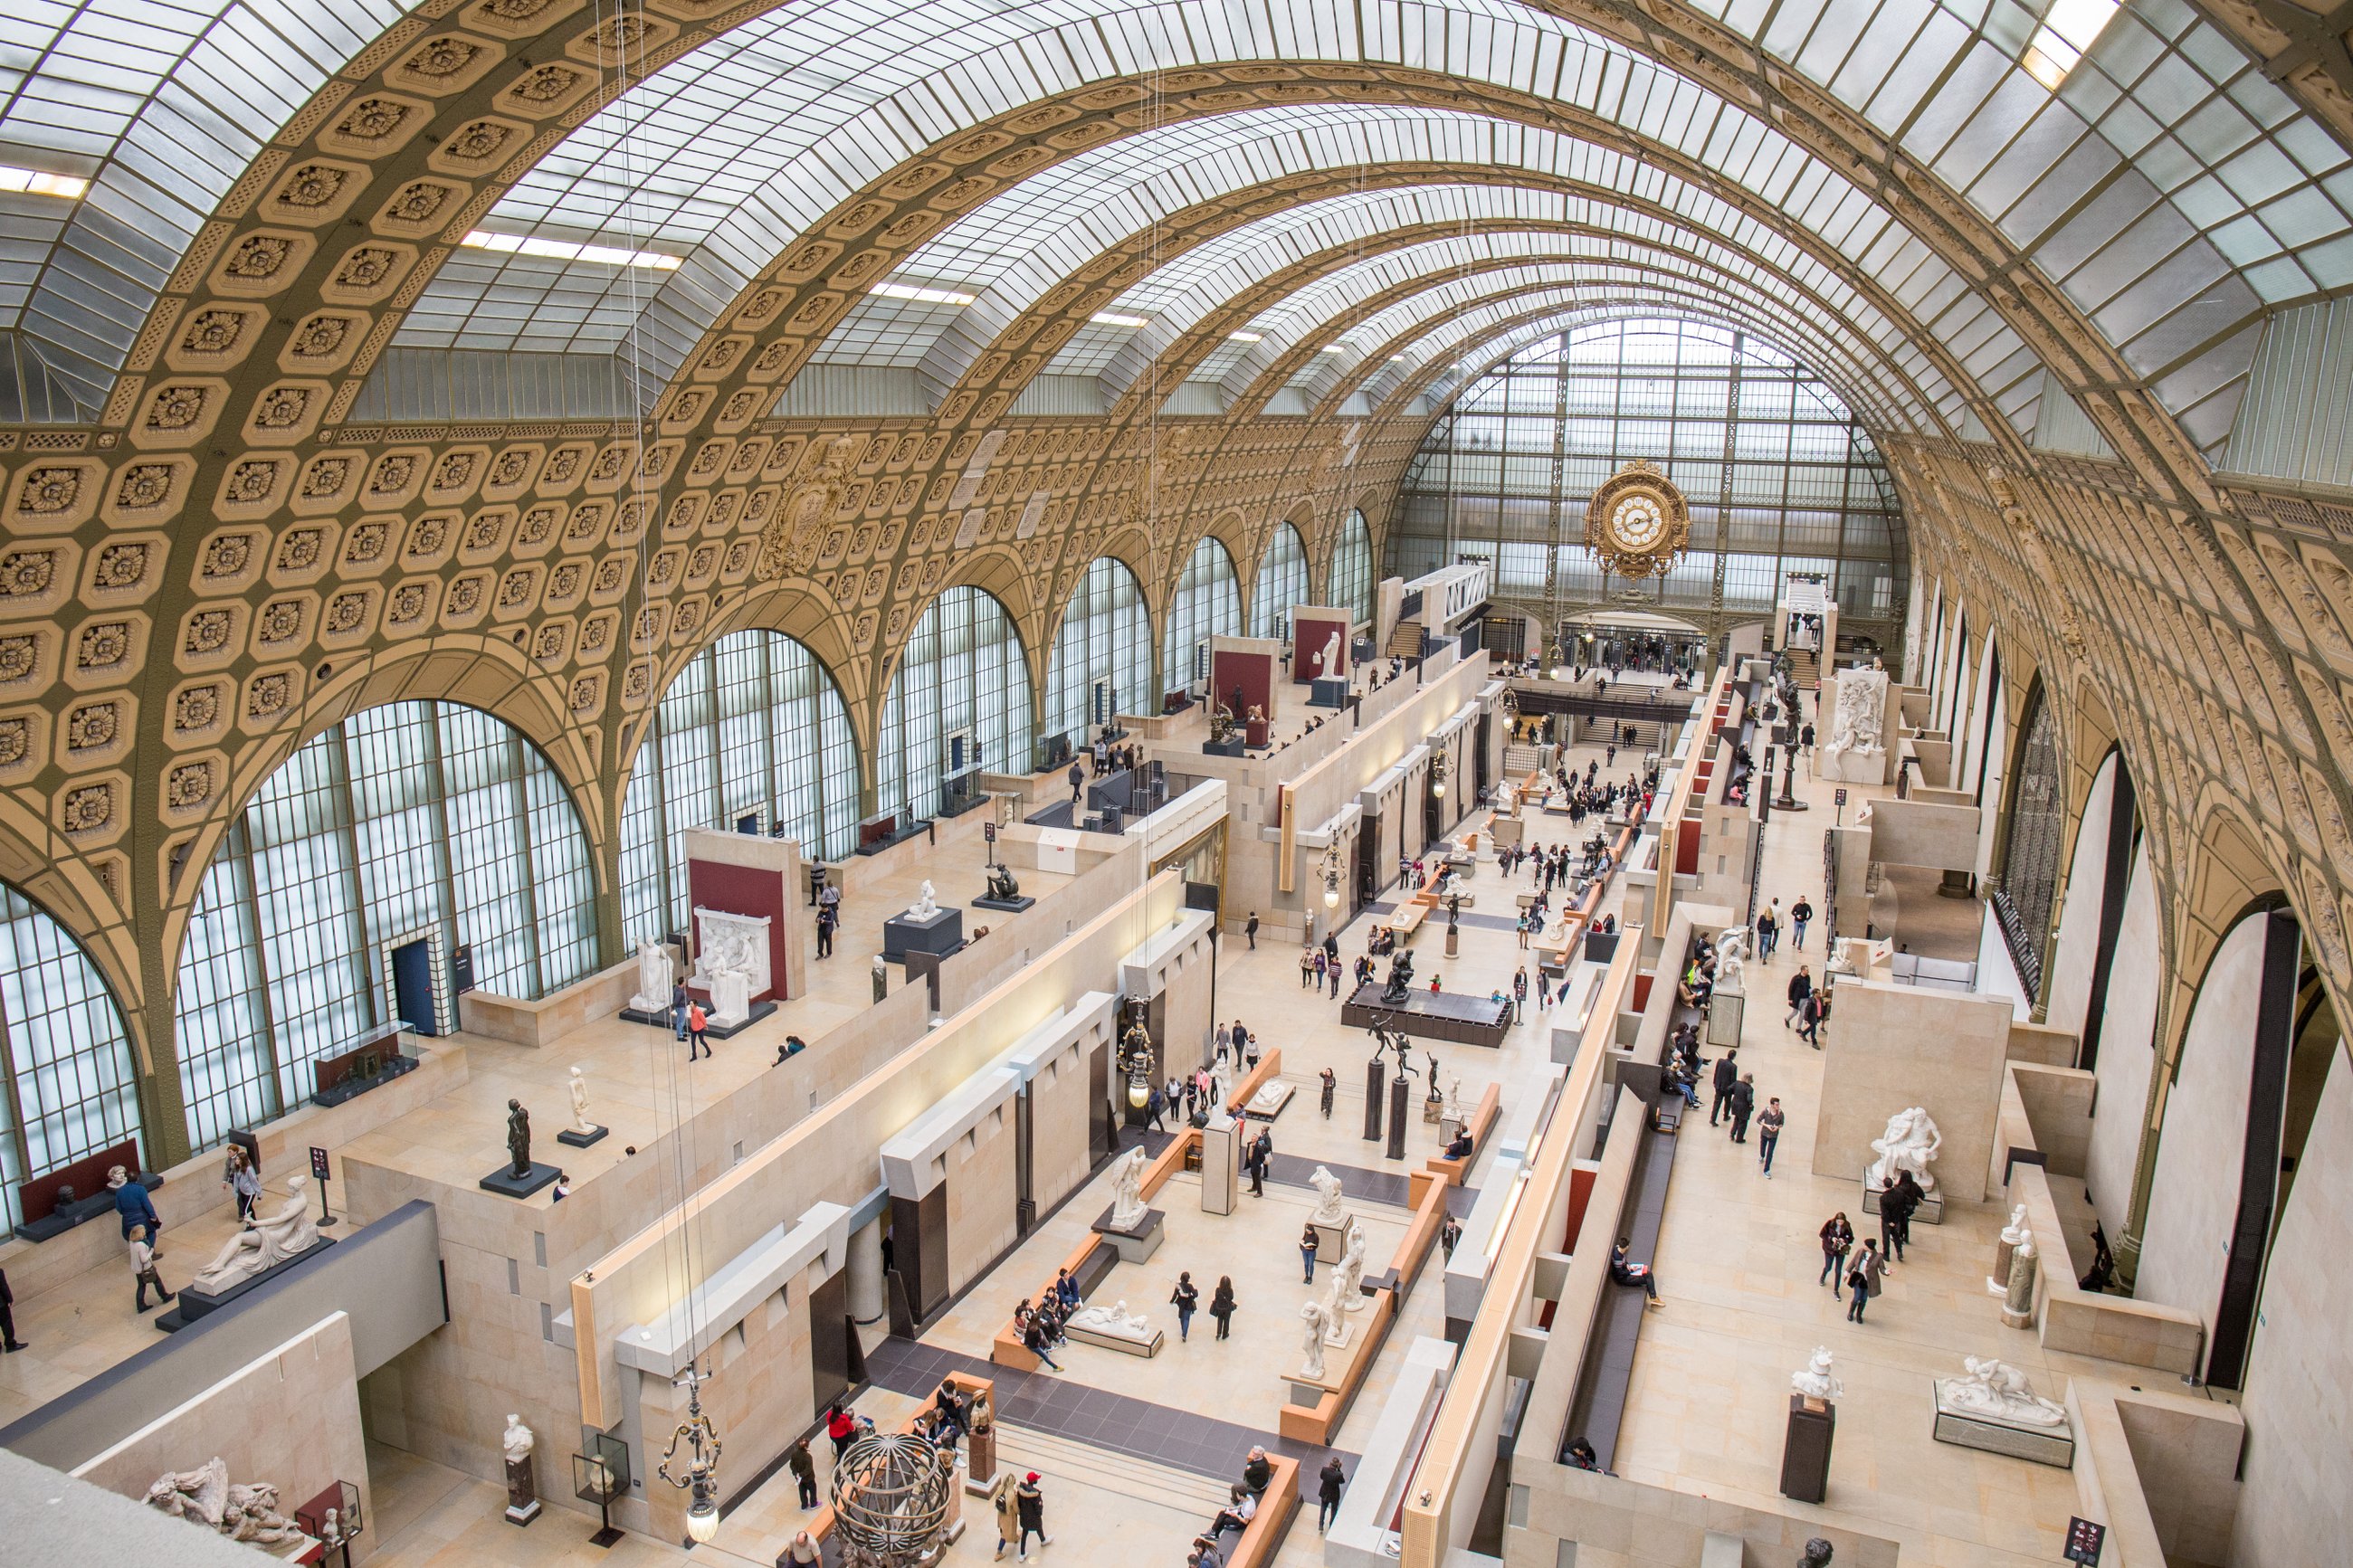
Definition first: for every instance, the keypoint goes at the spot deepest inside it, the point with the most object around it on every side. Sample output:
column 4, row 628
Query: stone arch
column 794, row 608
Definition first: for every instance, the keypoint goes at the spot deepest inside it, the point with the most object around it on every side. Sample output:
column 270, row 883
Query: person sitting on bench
column 1241, row 1508
column 1461, row 1147
column 1625, row 1272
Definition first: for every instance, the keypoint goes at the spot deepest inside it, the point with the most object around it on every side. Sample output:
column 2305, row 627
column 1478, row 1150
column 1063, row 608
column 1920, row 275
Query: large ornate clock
column 1637, row 524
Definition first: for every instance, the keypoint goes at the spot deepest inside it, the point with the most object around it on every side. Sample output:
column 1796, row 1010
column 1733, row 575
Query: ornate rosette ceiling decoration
column 1637, row 524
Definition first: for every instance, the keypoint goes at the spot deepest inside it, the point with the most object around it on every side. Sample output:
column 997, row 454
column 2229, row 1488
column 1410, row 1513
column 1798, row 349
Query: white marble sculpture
column 204, row 1495
column 653, row 978
column 1327, row 1197
column 1453, row 1111
column 1506, row 800
column 731, row 962
column 1910, row 1141
column 1318, row 1320
column 1816, row 1380
column 926, row 904
column 1328, row 661
column 1855, row 724
column 517, row 1440
column 263, row 1244
column 1348, row 1274
column 1730, row 956
column 2015, row 1231
column 1127, row 1208
column 1115, row 1320
column 2000, row 1391
column 1271, row 1097
column 580, row 1122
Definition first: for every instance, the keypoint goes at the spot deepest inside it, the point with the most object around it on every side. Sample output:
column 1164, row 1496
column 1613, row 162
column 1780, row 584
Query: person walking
column 1328, row 1482
column 1865, row 1279
column 132, row 1204
column 840, row 1427
column 678, row 1003
column 824, row 923
column 1519, row 995
column 1307, row 1246
column 1838, row 1240
column 1222, row 1306
column 1800, row 913
column 1077, row 778
column 1249, row 930
column 1726, row 1074
column 1030, row 1503
column 697, row 1020
column 1810, row 1018
column 1450, row 1231
column 1768, row 1134
column 1801, row 985
column 1185, row 1298
column 1308, row 959
column 1897, row 1204
column 1806, row 752
column 1332, row 967
column 1768, row 930
column 142, row 1267
column 1154, row 1108
column 1331, row 1087
column 1008, row 1510
column 241, row 1179
column 1743, row 1104
column 803, row 1464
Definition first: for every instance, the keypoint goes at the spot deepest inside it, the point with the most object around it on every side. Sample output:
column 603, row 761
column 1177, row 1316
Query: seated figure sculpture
column 1400, row 978
column 263, row 1244
column 1910, row 1141
column 1001, row 884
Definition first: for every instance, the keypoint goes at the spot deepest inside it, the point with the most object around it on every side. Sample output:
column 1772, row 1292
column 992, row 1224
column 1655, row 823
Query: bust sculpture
column 927, row 903
column 1127, row 1210
column 517, row 1440
column 1818, row 1554
column 580, row 1122
column 1909, row 1142
column 653, row 978
column 1997, row 1389
column 2016, row 1231
column 1317, row 1320
column 263, row 1244
column 519, row 1138
column 1815, row 1380
column 1327, row 1194
column 523, row 1488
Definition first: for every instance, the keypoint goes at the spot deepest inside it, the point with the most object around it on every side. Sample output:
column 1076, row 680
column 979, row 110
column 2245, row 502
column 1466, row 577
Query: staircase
column 1805, row 668
column 1021, row 1448
column 1406, row 641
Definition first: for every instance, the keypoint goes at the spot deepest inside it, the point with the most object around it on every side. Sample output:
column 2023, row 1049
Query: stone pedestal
column 1328, row 691
column 579, row 1138
column 1806, row 1449
column 1138, row 1242
column 1221, row 1165
column 2017, row 1304
column 865, row 1302
column 523, row 1493
column 1998, row 1282
column 506, row 1183
column 941, row 932
column 1930, row 1212
column 730, row 998
column 1723, row 1011
column 980, row 1462
column 1332, row 1240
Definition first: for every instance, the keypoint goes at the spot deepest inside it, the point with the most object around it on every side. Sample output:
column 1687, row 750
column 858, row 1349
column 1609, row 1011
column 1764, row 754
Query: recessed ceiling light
column 566, row 250
column 1113, row 319
column 1333, row 349
column 928, row 296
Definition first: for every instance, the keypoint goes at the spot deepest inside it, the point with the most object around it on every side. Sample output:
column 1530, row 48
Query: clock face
column 1638, row 523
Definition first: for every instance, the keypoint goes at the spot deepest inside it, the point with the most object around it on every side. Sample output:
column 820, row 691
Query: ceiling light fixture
column 41, row 183
column 2065, row 37
column 928, row 296
column 1113, row 319
column 1243, row 337
column 566, row 250
column 1333, row 349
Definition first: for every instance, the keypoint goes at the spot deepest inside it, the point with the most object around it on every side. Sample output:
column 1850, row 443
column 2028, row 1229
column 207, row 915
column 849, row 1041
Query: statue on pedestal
column 1327, row 1192
column 1127, row 1210
column 1001, row 885
column 1328, row 661
column 519, row 1138
column 881, row 977
column 1349, row 1277
column 1318, row 1320
column 927, row 903
column 580, row 1123
column 263, row 1244
column 1400, row 979
column 1816, row 1380
column 653, row 978
column 522, row 1492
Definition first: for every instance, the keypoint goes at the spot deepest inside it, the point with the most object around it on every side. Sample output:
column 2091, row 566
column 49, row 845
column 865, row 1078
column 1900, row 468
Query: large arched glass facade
column 1207, row 604
column 72, row 1080
column 415, row 821
column 1792, row 483
column 753, row 726
column 1282, row 583
column 961, row 679
column 1105, row 635
column 1351, row 584
column 2036, row 837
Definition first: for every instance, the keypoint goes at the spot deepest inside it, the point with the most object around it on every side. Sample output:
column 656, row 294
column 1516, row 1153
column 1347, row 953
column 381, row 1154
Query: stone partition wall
column 290, row 1417
column 1899, row 1046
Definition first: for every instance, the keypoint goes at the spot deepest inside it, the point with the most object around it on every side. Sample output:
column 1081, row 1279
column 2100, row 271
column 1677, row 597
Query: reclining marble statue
column 1997, row 1390
column 263, row 1244
column 1115, row 1320
column 206, row 1496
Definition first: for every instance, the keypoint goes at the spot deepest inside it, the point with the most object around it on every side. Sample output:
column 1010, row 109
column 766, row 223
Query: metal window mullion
column 519, row 781
column 339, row 769
column 240, row 845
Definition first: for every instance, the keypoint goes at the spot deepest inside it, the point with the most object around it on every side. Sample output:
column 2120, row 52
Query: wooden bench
column 1260, row 1539
column 1448, row 1173
column 1407, row 918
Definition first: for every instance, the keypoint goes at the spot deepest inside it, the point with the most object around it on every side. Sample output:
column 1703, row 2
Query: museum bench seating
column 1454, row 1172
column 1608, row 1370
column 1255, row 1544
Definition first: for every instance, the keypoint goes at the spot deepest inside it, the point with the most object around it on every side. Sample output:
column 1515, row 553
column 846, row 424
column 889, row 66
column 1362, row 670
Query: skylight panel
column 2068, row 31
column 567, row 251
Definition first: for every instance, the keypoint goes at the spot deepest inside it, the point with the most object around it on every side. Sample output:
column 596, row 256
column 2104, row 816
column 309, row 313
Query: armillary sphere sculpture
column 891, row 1496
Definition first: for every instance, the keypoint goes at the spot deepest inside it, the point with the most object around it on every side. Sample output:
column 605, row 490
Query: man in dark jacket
column 1897, row 1207
column 1742, row 1102
column 132, row 1202
column 8, row 1340
column 1257, row 1474
column 1328, row 1482
column 1801, row 985
column 1726, row 1075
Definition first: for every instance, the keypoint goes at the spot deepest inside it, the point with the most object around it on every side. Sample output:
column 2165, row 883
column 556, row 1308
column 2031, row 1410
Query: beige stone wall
column 982, row 1196
column 1899, row 1046
column 2127, row 1051
column 1059, row 1128
column 290, row 1418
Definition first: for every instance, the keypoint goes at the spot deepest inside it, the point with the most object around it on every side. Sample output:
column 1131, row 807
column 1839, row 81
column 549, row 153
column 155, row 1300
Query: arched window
column 1282, row 583
column 959, row 703
column 753, row 726
column 1105, row 635
column 1207, row 603
column 2037, row 832
column 73, row 1082
column 1351, row 581
column 414, row 822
